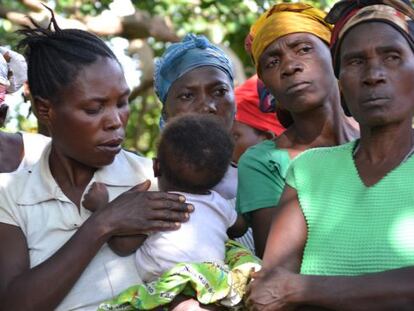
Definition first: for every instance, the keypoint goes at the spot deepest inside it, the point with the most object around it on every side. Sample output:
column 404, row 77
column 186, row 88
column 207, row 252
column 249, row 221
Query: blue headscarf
column 179, row 58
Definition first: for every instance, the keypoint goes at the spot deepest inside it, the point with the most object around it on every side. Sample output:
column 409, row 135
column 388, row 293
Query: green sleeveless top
column 353, row 229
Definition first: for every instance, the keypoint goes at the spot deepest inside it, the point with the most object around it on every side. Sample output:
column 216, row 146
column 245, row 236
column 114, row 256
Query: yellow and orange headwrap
column 283, row 19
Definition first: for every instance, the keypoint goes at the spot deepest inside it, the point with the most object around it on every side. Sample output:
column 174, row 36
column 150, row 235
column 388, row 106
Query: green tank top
column 353, row 229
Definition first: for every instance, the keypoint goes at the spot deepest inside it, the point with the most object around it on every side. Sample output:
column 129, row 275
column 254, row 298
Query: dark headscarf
column 346, row 14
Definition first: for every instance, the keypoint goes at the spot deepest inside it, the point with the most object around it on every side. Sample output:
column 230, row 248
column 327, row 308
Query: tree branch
column 138, row 25
column 140, row 89
column 32, row 5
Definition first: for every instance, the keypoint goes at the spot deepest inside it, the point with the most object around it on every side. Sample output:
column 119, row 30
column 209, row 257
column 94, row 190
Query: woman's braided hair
column 55, row 57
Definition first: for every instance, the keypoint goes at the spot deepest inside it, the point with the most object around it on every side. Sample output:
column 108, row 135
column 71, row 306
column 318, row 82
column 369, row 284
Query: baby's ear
column 156, row 167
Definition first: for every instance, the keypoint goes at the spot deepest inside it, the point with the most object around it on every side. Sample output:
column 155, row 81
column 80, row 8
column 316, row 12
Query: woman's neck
column 392, row 142
column 326, row 125
column 71, row 176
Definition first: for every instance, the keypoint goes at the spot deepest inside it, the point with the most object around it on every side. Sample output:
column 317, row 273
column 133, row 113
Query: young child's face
column 244, row 137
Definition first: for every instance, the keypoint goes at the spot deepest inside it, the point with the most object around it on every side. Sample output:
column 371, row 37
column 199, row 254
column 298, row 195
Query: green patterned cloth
column 208, row 282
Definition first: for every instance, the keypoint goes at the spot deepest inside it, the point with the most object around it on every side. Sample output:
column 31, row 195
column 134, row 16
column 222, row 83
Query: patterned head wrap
column 283, row 19
column 179, row 58
column 251, row 110
column 348, row 13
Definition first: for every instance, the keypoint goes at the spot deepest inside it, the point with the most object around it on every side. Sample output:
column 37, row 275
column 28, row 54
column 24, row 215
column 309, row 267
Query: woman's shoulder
column 128, row 165
column 12, row 185
column 133, row 159
column 33, row 145
column 32, row 139
column 264, row 152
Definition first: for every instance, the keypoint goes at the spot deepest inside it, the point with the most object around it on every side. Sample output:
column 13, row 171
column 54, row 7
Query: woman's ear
column 42, row 108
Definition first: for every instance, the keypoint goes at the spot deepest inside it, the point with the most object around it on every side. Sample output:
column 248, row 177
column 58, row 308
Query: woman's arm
column 279, row 285
column 238, row 228
column 126, row 245
column 258, row 192
column 385, row 291
column 287, row 235
column 277, row 282
column 97, row 198
column 388, row 290
column 261, row 221
column 44, row 287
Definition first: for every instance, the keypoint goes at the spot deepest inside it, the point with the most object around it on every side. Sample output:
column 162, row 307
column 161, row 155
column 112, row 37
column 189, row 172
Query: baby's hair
column 55, row 56
column 194, row 152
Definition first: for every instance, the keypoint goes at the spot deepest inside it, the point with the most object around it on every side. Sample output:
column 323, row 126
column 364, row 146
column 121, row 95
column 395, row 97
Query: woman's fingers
column 170, row 206
column 135, row 211
column 169, row 216
column 169, row 201
column 159, row 225
column 159, row 195
column 144, row 186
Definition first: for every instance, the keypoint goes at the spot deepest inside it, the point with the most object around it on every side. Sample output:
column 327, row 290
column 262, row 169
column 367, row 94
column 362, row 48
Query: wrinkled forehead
column 378, row 35
column 292, row 40
column 201, row 77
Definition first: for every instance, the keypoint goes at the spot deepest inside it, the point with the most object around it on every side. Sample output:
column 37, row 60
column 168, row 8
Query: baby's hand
column 96, row 198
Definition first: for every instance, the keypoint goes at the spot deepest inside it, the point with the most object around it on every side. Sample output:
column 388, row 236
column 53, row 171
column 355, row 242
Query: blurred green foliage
column 224, row 21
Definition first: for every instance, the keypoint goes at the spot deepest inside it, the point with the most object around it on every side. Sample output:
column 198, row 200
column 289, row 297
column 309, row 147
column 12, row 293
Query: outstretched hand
column 138, row 211
column 270, row 290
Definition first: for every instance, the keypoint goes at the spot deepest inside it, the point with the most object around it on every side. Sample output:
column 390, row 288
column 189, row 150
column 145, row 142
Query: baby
column 193, row 155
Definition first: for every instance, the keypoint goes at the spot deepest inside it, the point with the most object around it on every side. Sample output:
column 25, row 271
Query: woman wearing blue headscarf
column 195, row 76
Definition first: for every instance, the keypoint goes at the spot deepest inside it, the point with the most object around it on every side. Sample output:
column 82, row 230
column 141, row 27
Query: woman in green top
column 290, row 50
column 346, row 215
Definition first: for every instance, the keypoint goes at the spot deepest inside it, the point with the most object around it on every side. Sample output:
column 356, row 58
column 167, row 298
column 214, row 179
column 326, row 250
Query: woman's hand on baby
column 271, row 290
column 138, row 211
column 96, row 198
